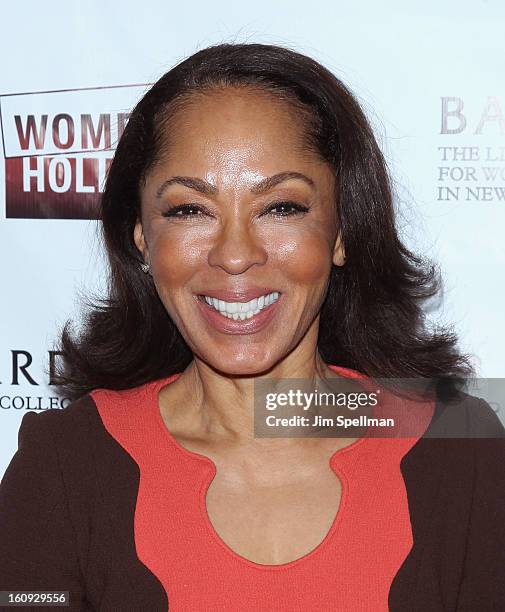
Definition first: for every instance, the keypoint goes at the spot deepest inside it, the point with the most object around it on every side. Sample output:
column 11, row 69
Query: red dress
column 350, row 570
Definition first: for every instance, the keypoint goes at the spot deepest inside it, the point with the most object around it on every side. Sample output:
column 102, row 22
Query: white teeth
column 242, row 310
column 231, row 308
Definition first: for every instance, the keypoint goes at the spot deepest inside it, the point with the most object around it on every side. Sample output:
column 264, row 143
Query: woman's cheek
column 178, row 253
column 304, row 256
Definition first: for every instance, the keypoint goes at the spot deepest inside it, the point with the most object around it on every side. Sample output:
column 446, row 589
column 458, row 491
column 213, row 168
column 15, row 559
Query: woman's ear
column 338, row 252
column 140, row 241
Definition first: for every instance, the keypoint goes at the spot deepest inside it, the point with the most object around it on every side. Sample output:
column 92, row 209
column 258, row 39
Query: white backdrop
column 407, row 61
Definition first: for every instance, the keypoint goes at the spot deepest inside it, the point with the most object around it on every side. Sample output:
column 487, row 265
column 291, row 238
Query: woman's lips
column 230, row 326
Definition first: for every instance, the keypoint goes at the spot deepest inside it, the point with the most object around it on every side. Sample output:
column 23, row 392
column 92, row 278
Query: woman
column 249, row 225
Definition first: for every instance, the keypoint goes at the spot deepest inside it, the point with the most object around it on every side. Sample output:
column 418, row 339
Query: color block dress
column 102, row 502
column 351, row 569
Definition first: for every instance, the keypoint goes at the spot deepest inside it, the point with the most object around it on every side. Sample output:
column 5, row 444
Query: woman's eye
column 279, row 209
column 183, row 210
column 286, row 209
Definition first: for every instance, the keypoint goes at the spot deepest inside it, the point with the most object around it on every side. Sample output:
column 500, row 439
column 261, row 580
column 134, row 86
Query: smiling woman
column 237, row 209
column 250, row 230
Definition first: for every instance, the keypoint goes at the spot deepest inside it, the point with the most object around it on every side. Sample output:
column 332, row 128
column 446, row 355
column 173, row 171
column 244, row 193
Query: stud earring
column 145, row 267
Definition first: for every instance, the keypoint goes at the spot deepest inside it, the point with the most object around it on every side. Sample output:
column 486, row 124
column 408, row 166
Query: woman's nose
column 236, row 248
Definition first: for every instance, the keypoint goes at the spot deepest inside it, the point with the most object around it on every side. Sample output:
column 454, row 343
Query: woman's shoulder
column 74, row 438
column 82, row 419
column 465, row 416
column 464, row 441
column 88, row 407
column 73, row 417
column 101, row 423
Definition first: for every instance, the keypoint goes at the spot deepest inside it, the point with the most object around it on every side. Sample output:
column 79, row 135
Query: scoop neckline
column 336, row 466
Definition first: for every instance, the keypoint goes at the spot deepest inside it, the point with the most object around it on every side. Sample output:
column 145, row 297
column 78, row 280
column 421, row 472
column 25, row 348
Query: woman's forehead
column 228, row 113
column 235, row 128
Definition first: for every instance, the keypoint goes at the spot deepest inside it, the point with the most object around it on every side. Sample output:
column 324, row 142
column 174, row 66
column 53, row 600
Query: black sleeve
column 37, row 540
column 483, row 582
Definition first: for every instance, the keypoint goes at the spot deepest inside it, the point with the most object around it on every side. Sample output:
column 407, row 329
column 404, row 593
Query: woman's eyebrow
column 207, row 188
column 271, row 181
column 188, row 181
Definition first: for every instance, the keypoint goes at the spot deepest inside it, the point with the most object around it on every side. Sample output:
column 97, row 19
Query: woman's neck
column 206, row 403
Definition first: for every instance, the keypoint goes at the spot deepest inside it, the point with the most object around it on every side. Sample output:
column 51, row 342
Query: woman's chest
column 273, row 523
column 256, row 545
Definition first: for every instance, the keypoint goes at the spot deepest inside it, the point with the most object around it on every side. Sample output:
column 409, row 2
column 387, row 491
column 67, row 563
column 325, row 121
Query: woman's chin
column 243, row 365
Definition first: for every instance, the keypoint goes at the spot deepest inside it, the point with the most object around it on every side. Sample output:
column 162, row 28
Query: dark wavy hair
column 372, row 318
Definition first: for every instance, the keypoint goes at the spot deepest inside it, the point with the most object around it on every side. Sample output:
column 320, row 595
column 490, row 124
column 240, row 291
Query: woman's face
column 240, row 230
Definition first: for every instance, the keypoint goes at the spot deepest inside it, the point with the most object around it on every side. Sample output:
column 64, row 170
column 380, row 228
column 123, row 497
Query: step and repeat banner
column 430, row 78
